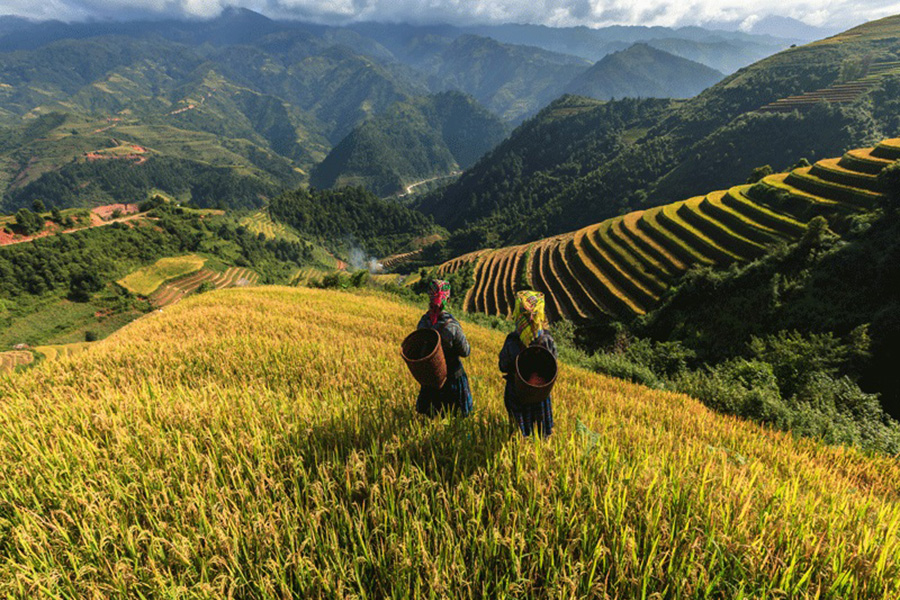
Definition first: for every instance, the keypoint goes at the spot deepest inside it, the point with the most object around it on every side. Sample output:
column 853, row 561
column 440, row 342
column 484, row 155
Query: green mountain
column 423, row 138
column 268, row 99
column 513, row 81
column 642, row 71
column 522, row 192
column 219, row 108
column 351, row 219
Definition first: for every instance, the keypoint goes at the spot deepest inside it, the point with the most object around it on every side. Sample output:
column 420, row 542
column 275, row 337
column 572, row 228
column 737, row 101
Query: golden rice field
column 180, row 288
column 14, row 358
column 56, row 351
column 147, row 279
column 262, row 443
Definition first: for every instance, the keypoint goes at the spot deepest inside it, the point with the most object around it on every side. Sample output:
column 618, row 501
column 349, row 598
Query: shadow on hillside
column 447, row 449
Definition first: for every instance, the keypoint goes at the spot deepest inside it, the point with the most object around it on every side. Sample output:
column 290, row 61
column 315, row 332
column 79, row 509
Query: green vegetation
column 411, row 142
column 27, row 222
column 889, row 179
column 570, row 138
column 350, row 217
column 145, row 280
column 111, row 181
column 59, row 287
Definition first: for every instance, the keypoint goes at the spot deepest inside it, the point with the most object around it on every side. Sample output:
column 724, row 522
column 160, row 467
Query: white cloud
column 748, row 23
column 835, row 13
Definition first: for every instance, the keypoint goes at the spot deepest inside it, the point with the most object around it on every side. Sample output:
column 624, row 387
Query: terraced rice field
column 397, row 260
column 176, row 290
column 58, row 351
column 15, row 358
column 261, row 223
column 146, row 280
column 621, row 267
column 839, row 93
column 303, row 276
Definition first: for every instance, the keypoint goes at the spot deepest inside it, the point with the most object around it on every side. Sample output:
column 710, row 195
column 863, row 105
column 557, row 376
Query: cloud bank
column 837, row 14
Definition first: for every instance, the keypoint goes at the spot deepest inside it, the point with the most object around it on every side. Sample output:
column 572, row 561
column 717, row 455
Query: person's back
column 453, row 340
column 455, row 394
column 531, row 330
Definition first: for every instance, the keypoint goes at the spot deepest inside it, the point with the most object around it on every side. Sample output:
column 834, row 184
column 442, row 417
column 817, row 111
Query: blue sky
column 835, row 14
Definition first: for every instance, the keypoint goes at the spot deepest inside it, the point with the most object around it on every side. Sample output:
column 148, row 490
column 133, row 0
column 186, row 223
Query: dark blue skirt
column 455, row 395
column 530, row 418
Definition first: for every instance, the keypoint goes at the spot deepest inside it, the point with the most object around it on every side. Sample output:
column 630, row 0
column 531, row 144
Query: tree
column 82, row 284
column 28, row 222
column 38, row 206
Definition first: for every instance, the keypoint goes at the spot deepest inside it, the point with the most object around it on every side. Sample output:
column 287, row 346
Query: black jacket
column 453, row 341
column 513, row 346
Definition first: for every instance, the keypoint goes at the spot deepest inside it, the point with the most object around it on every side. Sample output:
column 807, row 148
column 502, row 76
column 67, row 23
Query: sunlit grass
column 262, row 443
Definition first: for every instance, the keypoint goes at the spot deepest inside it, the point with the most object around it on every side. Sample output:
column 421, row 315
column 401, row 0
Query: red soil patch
column 50, row 228
column 137, row 158
column 106, row 212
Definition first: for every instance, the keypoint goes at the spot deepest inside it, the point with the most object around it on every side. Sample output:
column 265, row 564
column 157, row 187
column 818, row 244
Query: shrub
column 90, row 336
column 360, row 278
column 82, row 284
column 334, row 280
column 616, row 364
column 795, row 358
column 28, row 222
column 741, row 387
column 154, row 202
column 759, row 173
column 206, row 286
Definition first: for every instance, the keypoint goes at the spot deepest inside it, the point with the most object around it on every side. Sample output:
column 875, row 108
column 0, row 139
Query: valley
column 218, row 226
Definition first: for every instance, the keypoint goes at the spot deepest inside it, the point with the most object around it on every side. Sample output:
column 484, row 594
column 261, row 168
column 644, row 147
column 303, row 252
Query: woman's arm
column 458, row 340
column 507, row 355
column 547, row 342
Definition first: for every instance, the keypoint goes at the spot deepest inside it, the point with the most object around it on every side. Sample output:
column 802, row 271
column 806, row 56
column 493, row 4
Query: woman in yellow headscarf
column 531, row 330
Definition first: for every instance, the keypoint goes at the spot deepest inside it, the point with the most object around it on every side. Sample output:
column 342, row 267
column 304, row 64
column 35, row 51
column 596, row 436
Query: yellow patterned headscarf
column 529, row 315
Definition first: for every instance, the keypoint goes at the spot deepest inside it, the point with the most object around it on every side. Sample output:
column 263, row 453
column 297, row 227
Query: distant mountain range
column 643, row 71
column 271, row 99
column 779, row 27
column 580, row 161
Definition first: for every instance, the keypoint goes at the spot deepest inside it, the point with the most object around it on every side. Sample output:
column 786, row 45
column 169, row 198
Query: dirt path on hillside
column 8, row 240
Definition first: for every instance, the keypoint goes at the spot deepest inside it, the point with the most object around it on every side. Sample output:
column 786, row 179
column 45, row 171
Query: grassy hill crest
column 286, row 457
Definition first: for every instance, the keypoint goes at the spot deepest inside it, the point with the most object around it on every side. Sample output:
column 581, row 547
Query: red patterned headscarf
column 438, row 293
